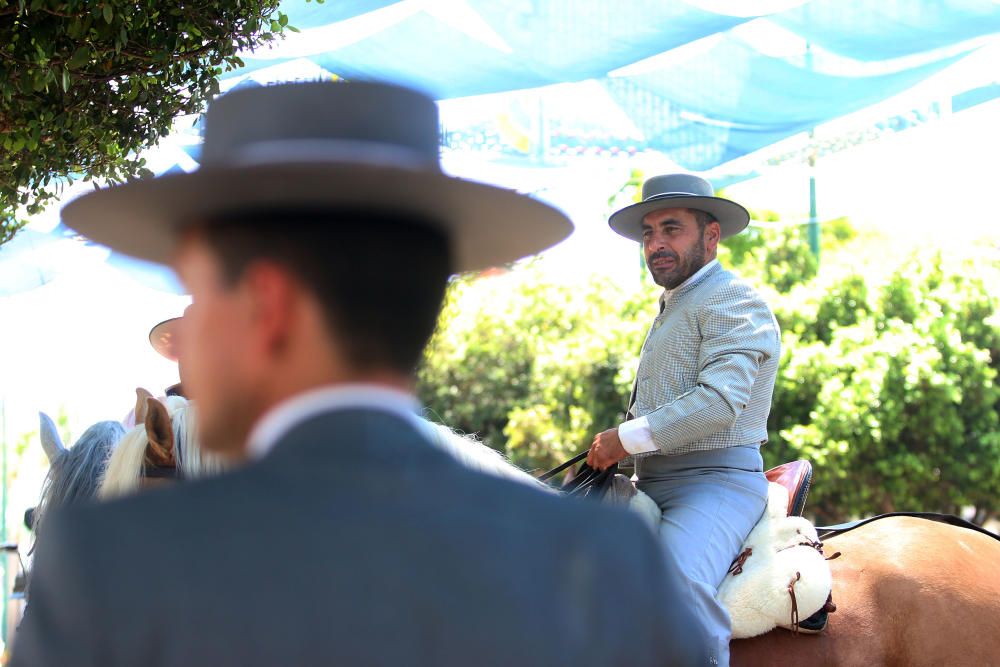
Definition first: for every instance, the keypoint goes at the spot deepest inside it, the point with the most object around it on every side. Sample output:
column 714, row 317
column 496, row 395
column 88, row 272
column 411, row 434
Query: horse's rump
column 908, row 592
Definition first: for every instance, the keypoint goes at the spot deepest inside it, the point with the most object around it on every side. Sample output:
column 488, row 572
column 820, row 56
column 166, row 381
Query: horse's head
column 74, row 473
column 163, row 446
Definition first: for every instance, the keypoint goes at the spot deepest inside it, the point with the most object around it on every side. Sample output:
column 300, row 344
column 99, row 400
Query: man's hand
column 606, row 450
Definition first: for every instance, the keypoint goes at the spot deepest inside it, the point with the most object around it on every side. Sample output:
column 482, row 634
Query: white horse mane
column 124, row 471
column 472, row 453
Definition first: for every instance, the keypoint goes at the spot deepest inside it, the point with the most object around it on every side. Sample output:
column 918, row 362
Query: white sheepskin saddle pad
column 778, row 553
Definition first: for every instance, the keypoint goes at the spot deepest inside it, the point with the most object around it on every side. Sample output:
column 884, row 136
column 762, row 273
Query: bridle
column 161, row 472
column 586, row 482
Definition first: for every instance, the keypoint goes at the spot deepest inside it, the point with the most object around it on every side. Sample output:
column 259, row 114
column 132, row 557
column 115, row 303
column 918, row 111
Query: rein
column 826, row 532
column 161, row 472
column 587, row 482
column 544, row 477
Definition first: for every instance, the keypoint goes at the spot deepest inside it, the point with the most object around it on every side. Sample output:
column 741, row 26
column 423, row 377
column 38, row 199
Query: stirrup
column 816, row 623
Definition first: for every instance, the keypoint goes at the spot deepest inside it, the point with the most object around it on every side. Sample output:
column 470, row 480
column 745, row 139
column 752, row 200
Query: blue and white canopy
column 700, row 82
column 704, row 81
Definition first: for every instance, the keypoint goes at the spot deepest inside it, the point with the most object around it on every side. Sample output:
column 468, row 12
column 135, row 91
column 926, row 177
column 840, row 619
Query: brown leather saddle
column 796, row 476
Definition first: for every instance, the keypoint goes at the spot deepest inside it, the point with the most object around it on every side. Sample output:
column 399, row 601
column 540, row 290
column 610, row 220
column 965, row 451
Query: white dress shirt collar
column 282, row 418
column 667, row 293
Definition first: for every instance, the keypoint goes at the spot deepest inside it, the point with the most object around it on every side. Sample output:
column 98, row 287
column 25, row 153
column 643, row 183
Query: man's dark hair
column 702, row 218
column 380, row 277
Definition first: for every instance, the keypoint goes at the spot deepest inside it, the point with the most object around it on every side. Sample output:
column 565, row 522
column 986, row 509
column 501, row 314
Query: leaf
column 80, row 58
column 149, row 64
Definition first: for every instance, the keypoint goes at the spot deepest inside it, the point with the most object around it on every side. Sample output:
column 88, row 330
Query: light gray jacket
column 707, row 368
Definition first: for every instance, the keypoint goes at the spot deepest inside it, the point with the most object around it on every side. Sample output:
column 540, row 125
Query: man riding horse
column 702, row 393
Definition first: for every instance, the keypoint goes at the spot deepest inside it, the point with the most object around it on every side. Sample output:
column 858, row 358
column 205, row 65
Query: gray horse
column 75, row 472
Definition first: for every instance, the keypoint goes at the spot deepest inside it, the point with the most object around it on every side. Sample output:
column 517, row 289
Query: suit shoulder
column 582, row 523
column 168, row 504
column 726, row 284
column 729, row 291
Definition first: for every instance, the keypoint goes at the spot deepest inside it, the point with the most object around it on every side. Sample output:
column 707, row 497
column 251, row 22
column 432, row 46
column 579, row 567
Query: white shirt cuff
column 636, row 436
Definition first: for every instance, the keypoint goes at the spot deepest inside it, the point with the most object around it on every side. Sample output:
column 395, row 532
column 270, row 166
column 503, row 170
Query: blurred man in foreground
column 317, row 241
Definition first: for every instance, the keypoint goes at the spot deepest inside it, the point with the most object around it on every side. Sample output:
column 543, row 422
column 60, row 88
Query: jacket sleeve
column 738, row 334
column 57, row 628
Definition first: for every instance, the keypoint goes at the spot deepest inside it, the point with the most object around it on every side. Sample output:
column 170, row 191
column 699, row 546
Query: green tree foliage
column 770, row 253
column 533, row 366
column 85, row 85
column 891, row 392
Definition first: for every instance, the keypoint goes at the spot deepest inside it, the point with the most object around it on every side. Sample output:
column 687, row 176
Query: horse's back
column 909, row 592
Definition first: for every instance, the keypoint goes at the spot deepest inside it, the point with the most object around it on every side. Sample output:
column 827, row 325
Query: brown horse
column 909, row 592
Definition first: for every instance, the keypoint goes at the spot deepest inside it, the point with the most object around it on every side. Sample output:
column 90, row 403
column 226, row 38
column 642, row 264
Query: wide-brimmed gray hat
column 679, row 191
column 323, row 145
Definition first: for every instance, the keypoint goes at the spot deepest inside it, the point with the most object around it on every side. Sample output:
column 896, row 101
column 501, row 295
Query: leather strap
column 826, row 532
column 161, row 472
column 587, row 481
column 544, row 477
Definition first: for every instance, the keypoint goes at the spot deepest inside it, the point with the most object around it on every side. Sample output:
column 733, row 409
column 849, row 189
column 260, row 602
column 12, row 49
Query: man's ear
column 713, row 234
column 272, row 292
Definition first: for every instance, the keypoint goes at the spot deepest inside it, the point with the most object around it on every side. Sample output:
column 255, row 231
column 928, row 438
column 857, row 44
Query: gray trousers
column 710, row 502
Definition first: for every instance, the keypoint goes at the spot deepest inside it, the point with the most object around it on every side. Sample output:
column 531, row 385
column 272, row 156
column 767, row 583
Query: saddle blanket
column 780, row 568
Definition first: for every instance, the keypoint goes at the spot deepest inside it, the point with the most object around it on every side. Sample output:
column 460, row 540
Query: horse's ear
column 49, row 434
column 141, row 396
column 160, row 432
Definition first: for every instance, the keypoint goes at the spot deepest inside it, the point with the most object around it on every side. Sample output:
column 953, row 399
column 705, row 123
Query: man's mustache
column 663, row 254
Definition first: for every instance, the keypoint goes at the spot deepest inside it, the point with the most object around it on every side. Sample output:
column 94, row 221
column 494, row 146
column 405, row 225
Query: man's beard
column 685, row 265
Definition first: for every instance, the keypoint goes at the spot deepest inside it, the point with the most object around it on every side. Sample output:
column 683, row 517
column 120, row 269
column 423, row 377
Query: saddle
column 753, row 606
column 796, row 477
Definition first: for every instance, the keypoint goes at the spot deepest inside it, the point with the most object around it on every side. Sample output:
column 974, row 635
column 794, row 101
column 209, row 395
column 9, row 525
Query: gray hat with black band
column 679, row 191
column 321, row 146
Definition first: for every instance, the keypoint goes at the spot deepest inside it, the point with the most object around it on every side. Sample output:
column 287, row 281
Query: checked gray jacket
column 707, row 368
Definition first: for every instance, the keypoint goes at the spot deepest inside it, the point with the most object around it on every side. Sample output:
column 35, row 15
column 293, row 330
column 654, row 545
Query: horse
column 73, row 477
column 162, row 445
column 908, row 592
column 75, row 472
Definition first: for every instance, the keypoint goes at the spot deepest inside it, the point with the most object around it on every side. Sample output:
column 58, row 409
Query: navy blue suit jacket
column 354, row 542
